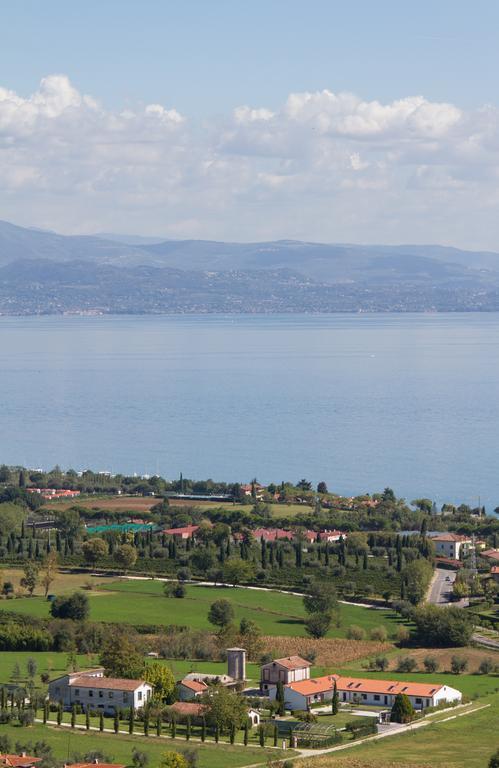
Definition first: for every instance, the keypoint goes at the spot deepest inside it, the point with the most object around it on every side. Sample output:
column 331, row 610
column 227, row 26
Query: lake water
column 361, row 401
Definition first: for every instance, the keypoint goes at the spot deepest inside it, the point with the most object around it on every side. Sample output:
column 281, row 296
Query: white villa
column 301, row 695
column 93, row 690
column 452, row 545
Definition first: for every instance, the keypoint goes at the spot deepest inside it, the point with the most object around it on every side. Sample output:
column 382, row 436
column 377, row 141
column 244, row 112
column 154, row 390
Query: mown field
column 465, row 741
column 65, row 742
column 46, row 661
column 143, row 602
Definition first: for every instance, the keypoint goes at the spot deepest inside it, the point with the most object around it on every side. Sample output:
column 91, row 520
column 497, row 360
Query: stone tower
column 236, row 663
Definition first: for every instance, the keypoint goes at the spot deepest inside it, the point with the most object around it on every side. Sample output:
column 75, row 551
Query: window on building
column 110, row 694
column 139, row 696
column 125, row 697
column 101, row 694
column 364, row 696
column 90, row 693
column 377, row 697
column 419, row 701
column 77, row 691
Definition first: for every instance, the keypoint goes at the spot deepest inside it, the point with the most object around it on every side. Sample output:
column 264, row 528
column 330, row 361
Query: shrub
column 406, row 664
column 379, row 633
column 402, row 709
column 486, row 666
column 355, row 633
column 458, row 664
column 317, row 625
column 381, row 663
column 430, row 664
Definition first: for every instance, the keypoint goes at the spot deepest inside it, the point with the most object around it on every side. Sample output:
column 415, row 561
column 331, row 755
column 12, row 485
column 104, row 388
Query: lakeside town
column 194, row 623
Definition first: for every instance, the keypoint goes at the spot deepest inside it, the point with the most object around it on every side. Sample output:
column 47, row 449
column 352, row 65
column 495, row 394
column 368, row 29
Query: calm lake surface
column 361, row 401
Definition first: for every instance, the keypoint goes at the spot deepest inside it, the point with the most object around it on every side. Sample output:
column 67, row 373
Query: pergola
column 314, row 734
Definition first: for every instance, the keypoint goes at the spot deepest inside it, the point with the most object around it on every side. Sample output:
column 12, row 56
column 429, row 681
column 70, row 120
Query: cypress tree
column 188, row 729
column 217, row 733
column 203, row 730
column 101, row 720
column 87, row 719
column 131, row 720
column 59, row 714
column 232, row 733
column 276, row 733
column 45, row 711
column 146, row 723
column 174, row 727
column 158, row 726
column 335, row 704
column 73, row 716
column 116, row 721
column 246, row 729
column 262, row 736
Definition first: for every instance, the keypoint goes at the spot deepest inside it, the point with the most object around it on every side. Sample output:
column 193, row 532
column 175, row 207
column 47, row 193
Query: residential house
column 303, row 694
column 451, row 545
column 93, row 690
column 185, row 709
column 273, row 534
column 191, row 689
column 287, row 670
column 187, row 532
column 253, row 489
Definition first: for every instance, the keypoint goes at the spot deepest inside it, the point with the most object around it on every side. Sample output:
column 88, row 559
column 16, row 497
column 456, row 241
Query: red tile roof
column 493, row 554
column 92, row 765
column 106, row 683
column 292, row 662
column 187, row 530
column 363, row 685
column 194, row 685
column 188, row 708
column 19, row 761
column 450, row 537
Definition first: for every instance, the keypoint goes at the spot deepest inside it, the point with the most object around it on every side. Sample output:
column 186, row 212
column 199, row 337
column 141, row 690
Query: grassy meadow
column 143, row 602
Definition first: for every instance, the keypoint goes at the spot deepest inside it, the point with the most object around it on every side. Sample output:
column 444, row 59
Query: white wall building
column 93, row 690
column 301, row 695
column 451, row 545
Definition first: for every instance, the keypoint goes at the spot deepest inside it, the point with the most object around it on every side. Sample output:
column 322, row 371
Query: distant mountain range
column 42, row 272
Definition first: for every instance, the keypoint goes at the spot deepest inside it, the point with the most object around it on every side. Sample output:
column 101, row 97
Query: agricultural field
column 143, row 602
column 65, row 742
column 63, row 582
column 463, row 741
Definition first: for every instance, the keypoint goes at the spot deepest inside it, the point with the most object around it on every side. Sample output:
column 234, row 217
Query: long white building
column 303, row 694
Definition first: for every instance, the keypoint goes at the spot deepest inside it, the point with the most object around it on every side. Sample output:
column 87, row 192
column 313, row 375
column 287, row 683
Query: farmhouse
column 93, row 690
column 288, row 670
column 452, row 545
column 301, row 695
column 491, row 554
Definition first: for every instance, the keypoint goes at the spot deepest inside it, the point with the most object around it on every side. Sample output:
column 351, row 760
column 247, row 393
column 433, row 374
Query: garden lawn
column 463, row 742
column 143, row 602
column 65, row 742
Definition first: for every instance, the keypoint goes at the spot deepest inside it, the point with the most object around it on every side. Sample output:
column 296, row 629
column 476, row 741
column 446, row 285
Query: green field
column 65, row 742
column 46, row 661
column 466, row 741
column 143, row 602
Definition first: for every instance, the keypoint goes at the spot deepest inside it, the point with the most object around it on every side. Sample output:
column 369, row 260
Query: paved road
column 441, row 586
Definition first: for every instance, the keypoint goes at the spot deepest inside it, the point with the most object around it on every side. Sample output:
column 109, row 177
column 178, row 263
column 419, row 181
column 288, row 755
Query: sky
column 321, row 120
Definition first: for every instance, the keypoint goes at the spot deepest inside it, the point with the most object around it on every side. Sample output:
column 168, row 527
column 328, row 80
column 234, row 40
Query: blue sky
column 358, row 121
column 207, row 56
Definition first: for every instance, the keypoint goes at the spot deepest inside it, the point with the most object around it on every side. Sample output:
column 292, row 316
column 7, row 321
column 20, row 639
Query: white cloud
column 322, row 166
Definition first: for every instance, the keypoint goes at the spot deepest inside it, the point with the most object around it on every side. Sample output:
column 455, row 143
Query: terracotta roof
column 189, row 530
column 450, row 537
column 494, row 569
column 188, row 708
column 492, row 553
column 291, row 662
column 18, row 761
column 92, row 765
column 194, row 685
column 363, row 685
column 107, row 683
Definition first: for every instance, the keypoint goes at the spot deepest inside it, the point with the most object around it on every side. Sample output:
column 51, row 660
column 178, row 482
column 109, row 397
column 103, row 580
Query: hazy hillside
column 43, row 271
